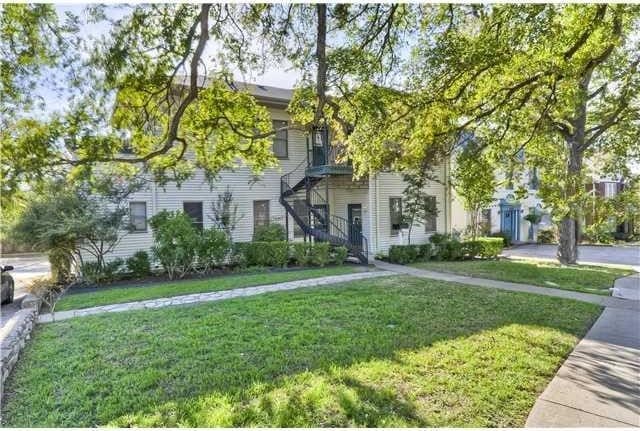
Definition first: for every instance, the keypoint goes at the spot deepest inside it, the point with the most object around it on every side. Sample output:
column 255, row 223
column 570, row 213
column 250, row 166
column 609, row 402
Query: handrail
column 336, row 229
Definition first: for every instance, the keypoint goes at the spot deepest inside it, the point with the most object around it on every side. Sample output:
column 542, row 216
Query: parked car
column 6, row 291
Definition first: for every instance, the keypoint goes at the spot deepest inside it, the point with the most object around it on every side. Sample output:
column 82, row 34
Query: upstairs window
column 395, row 215
column 194, row 210
column 610, row 189
column 138, row 216
column 280, row 140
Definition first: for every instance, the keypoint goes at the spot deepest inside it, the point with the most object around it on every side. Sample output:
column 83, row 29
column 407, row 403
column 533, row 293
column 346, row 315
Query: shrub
column 319, row 253
column 439, row 238
column 113, row 270
column 239, row 254
column 451, row 250
column 403, row 254
column 60, row 262
column 212, row 249
column 506, row 237
column 110, row 271
column 175, row 242
column 139, row 264
column 425, row 251
column 546, row 236
column 91, row 272
column 340, row 255
column 262, row 253
column 300, row 253
column 599, row 233
column 269, row 233
column 483, row 247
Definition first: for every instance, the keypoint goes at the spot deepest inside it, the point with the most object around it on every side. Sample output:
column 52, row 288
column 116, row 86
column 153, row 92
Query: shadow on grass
column 397, row 351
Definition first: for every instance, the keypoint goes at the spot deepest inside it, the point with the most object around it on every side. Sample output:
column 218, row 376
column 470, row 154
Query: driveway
column 619, row 255
column 26, row 266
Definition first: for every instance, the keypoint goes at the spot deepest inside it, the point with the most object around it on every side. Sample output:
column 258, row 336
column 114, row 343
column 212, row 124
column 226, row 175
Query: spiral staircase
column 310, row 211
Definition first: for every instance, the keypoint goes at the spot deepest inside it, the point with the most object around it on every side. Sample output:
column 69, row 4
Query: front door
column 355, row 224
column 510, row 222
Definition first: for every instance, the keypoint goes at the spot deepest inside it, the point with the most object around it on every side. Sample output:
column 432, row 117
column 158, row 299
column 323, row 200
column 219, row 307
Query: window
column 138, row 216
column 194, row 210
column 395, row 215
column 431, row 218
column 610, row 189
column 280, row 140
column 260, row 213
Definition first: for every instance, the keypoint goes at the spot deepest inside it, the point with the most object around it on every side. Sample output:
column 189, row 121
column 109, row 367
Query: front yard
column 140, row 292
column 395, row 351
column 582, row 278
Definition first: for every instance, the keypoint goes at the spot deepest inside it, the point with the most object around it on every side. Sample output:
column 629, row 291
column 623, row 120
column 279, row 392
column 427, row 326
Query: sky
column 275, row 76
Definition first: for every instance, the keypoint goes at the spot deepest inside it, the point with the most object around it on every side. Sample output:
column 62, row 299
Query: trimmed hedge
column 404, row 254
column 280, row 253
column 446, row 248
column 266, row 253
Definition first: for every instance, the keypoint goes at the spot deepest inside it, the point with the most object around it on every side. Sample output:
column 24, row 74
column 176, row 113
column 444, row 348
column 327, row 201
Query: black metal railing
column 311, row 213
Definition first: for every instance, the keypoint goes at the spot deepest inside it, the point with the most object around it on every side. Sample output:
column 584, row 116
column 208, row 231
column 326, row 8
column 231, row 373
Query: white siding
column 372, row 193
column 388, row 185
column 239, row 181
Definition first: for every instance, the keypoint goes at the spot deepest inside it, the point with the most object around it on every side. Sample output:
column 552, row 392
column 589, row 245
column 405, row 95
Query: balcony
column 322, row 156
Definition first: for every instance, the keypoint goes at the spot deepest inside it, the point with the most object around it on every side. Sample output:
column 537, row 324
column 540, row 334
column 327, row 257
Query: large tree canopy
column 399, row 84
column 560, row 81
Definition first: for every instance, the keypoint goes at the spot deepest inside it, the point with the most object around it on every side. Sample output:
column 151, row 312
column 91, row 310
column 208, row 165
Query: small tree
column 417, row 203
column 225, row 213
column 65, row 221
column 475, row 183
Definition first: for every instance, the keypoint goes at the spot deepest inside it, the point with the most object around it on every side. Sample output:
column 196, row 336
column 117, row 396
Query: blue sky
column 279, row 76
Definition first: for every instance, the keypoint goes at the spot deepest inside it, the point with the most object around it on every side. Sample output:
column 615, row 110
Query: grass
column 395, row 351
column 588, row 279
column 118, row 295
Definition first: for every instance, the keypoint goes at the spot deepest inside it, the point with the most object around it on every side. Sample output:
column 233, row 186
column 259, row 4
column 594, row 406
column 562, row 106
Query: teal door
column 510, row 219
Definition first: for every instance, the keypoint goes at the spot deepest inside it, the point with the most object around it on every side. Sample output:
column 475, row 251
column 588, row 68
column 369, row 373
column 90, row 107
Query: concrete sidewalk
column 599, row 383
column 605, row 301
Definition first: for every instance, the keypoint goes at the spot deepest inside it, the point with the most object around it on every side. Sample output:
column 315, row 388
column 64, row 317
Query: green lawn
column 395, row 351
column 117, row 295
column 588, row 279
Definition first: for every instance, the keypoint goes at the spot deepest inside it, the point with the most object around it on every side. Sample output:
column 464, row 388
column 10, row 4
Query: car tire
column 11, row 292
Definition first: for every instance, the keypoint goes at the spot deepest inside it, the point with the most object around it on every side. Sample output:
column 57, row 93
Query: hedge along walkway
column 210, row 296
column 599, row 383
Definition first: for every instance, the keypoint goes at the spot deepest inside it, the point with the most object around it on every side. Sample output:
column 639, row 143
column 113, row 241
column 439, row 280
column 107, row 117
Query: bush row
column 283, row 253
column 445, row 247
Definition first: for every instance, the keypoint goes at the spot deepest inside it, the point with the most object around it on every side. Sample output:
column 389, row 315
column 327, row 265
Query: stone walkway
column 209, row 296
column 599, row 383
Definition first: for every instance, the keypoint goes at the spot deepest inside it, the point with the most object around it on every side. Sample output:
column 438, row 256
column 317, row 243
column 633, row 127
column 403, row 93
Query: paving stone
column 208, row 297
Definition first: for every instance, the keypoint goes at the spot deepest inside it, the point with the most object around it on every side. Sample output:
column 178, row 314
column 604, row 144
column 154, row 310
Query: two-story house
column 309, row 193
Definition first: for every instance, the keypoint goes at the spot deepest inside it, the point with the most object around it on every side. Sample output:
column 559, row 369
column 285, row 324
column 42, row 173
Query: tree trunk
column 568, row 228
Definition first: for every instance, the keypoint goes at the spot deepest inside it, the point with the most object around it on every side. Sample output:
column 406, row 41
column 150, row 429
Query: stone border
column 14, row 335
column 209, row 296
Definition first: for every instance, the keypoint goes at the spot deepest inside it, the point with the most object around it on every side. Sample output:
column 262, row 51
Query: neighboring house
column 309, row 193
column 506, row 214
column 607, row 188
